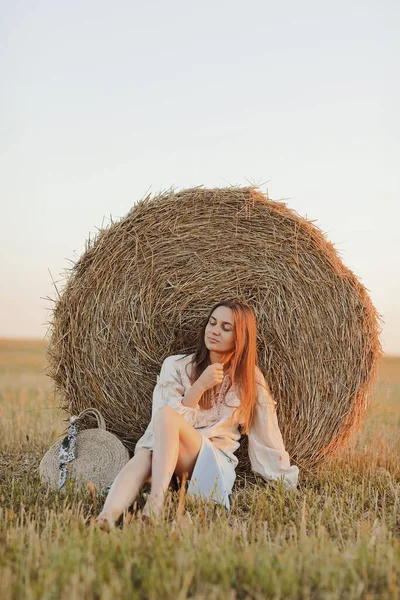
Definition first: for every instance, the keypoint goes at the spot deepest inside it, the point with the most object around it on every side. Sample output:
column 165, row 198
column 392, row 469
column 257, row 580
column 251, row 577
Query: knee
column 163, row 413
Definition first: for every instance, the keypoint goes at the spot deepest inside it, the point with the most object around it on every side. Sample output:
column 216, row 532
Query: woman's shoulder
column 264, row 391
column 259, row 375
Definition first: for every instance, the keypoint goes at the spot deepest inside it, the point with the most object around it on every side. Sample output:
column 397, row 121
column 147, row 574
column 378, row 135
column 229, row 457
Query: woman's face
column 219, row 334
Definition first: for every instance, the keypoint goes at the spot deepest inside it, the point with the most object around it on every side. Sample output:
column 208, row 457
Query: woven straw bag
column 91, row 455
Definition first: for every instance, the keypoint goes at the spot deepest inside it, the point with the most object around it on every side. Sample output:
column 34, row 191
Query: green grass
column 339, row 537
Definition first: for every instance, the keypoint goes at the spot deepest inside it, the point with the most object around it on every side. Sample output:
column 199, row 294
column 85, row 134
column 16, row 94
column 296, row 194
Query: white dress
column 214, row 473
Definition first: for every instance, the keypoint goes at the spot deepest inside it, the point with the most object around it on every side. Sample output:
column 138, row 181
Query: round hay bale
column 141, row 288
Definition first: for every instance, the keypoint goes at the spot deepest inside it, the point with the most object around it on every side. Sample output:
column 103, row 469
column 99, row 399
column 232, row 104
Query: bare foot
column 153, row 509
column 104, row 523
column 145, row 519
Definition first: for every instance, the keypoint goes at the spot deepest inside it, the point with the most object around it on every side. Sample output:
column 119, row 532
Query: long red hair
column 243, row 362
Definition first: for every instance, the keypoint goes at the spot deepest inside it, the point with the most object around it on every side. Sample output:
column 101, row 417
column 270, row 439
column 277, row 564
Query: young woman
column 199, row 402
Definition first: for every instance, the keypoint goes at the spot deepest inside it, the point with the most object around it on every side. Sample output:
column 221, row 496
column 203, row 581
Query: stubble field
column 339, row 537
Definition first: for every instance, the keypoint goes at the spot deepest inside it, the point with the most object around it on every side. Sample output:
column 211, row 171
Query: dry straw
column 139, row 291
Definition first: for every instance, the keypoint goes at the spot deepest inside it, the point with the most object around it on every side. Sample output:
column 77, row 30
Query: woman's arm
column 170, row 390
column 193, row 395
column 266, row 448
column 211, row 376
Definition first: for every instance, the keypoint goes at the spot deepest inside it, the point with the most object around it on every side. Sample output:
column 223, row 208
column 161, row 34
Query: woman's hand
column 211, row 376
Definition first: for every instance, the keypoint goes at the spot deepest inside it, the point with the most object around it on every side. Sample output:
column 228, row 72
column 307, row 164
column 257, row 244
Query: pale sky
column 103, row 101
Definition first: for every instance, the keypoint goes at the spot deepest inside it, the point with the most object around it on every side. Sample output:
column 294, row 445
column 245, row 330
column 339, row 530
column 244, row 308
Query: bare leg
column 176, row 447
column 125, row 488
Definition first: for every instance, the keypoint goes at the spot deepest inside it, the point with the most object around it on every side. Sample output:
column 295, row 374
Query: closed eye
column 225, row 329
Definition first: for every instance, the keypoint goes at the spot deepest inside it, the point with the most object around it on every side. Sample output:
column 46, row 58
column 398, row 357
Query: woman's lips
column 213, row 340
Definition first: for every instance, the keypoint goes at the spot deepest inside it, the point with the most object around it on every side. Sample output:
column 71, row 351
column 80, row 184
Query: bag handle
column 101, row 424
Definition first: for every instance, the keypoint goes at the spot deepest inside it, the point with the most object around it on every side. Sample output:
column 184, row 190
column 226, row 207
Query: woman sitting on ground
column 199, row 402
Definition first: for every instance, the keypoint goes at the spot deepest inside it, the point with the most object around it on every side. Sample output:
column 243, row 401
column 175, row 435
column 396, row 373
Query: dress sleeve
column 169, row 390
column 266, row 449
